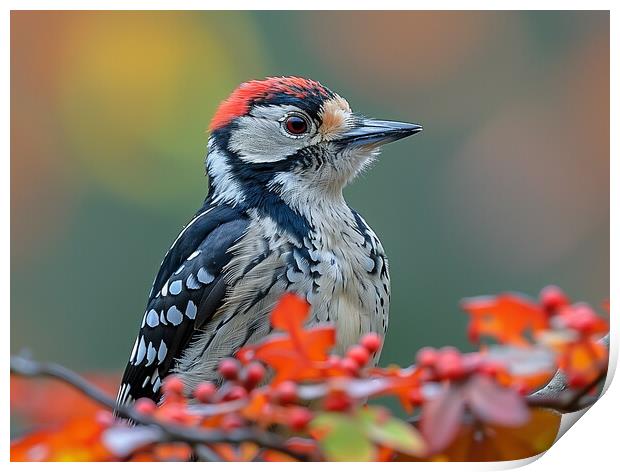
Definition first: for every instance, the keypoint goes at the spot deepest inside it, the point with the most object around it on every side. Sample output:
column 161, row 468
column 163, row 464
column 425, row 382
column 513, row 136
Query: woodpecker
column 279, row 154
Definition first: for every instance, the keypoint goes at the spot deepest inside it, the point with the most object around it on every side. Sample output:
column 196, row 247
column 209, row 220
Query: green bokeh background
column 506, row 189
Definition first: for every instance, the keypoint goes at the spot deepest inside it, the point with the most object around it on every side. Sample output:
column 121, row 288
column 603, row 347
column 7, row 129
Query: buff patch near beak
column 335, row 117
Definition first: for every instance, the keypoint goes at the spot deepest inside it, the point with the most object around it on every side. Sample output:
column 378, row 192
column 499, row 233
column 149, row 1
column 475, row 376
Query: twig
column 558, row 396
column 565, row 400
column 194, row 436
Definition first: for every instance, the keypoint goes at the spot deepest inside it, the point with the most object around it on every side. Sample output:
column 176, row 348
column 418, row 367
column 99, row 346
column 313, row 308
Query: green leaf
column 392, row 432
column 398, row 435
column 342, row 438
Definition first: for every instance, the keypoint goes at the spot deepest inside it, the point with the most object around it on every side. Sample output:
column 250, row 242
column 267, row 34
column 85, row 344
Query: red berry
column 172, row 387
column 236, row 392
column 450, row 370
column 581, row 318
column 204, row 392
column 427, row 357
column 349, row 365
column 299, row 418
column 552, row 298
column 231, row 421
column 286, row 392
column 372, row 342
column 337, row 401
column 253, row 374
column 145, row 406
column 450, row 364
column 229, row 368
column 359, row 354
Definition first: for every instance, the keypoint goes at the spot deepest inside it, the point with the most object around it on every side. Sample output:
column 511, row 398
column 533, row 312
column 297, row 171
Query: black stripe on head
column 311, row 103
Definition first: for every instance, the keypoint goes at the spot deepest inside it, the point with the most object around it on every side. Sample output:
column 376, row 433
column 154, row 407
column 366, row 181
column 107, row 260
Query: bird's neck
column 297, row 204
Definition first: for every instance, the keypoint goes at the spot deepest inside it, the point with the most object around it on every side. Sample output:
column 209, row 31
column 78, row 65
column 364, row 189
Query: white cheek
column 263, row 142
column 259, row 138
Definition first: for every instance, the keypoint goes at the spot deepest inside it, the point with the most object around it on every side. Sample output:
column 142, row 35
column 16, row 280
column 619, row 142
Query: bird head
column 289, row 136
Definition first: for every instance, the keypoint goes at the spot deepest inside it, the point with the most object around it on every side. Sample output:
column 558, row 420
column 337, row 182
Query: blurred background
column 506, row 189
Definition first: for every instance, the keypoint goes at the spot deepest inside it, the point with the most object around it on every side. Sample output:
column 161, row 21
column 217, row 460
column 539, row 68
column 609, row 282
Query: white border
column 590, row 445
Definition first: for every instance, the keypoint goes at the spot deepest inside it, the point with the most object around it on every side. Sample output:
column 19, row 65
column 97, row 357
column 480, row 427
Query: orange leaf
column 583, row 359
column 290, row 313
column 49, row 402
column 506, row 317
column 78, row 440
column 496, row 443
column 297, row 359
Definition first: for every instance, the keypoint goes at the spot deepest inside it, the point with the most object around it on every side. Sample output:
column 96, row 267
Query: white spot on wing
column 164, row 289
column 204, row 276
column 174, row 316
column 176, row 287
column 156, row 385
column 161, row 353
column 134, row 350
column 150, row 354
column 192, row 283
column 191, row 310
column 152, row 319
column 141, row 350
column 194, row 255
column 123, row 394
column 179, row 270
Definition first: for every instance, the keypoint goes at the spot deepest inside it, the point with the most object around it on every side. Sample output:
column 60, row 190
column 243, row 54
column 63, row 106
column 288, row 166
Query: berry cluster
column 289, row 383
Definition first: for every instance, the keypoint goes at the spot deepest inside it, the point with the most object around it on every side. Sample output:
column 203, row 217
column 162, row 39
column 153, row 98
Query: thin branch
column 194, row 436
column 566, row 400
column 558, row 396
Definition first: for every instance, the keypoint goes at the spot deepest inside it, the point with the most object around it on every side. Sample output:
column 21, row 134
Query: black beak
column 377, row 132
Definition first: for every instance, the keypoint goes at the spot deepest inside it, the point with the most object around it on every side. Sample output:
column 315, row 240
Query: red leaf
column 494, row 404
column 441, row 417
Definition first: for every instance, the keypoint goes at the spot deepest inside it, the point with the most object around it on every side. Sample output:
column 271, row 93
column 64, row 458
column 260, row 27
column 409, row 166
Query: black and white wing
column 187, row 291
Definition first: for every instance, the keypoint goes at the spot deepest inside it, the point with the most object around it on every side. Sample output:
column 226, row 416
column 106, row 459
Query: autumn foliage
column 292, row 389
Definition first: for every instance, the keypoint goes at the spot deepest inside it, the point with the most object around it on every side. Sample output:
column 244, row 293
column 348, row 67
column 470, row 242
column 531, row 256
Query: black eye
column 296, row 125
